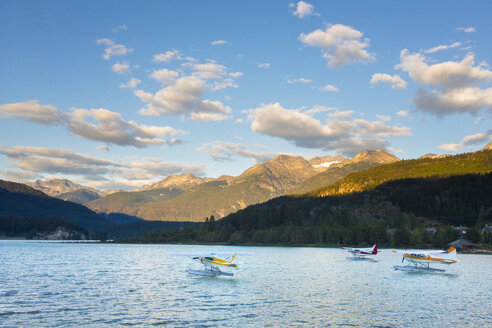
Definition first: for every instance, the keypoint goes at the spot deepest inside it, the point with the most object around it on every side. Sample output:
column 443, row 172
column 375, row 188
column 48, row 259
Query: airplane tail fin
column 375, row 249
column 452, row 252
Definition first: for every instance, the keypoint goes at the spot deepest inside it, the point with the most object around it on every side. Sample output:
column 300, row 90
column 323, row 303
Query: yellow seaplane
column 212, row 263
column 420, row 261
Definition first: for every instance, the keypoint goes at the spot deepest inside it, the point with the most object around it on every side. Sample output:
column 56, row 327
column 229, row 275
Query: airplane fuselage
column 426, row 258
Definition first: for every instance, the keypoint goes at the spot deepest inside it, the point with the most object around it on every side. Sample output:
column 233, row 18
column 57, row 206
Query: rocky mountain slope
column 79, row 196
column 344, row 167
column 186, row 197
column 183, row 182
column 67, row 190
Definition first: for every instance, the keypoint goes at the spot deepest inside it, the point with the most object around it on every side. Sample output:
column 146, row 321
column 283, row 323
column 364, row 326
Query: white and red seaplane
column 420, row 261
column 361, row 253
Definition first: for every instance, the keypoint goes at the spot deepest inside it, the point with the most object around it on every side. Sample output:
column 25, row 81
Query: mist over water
column 61, row 284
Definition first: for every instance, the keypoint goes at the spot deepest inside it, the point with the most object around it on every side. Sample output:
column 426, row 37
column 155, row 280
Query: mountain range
column 189, row 198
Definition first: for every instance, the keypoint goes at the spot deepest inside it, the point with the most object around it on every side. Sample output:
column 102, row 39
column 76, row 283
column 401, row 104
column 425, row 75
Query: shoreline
column 483, row 251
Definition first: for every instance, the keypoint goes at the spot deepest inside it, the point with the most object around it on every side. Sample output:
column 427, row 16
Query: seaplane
column 420, row 261
column 361, row 253
column 211, row 263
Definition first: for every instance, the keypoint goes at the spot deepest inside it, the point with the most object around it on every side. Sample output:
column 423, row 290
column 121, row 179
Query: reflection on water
column 59, row 285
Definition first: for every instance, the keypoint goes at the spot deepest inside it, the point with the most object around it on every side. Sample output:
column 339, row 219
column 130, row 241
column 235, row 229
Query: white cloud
column 466, row 29
column 236, row 74
column 464, row 100
column 480, row 138
column 132, row 83
column 209, row 117
column 383, row 118
column 164, row 76
column 445, row 75
column 182, row 98
column 303, row 9
column 403, row 113
column 210, row 70
column 185, row 95
column 109, row 128
column 319, row 109
column 218, row 42
column 395, row 80
column 341, row 44
column 224, row 151
column 264, row 65
column 479, row 120
column 167, row 56
column 113, row 49
column 442, row 47
column 218, row 75
column 34, row 112
column 93, row 171
column 339, row 114
column 121, row 68
column 347, row 137
column 299, row 80
column 122, row 27
column 112, row 129
column 330, row 88
column 18, row 176
column 50, row 160
column 103, row 147
column 453, row 85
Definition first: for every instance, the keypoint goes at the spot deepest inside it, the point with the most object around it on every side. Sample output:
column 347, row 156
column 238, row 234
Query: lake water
column 62, row 285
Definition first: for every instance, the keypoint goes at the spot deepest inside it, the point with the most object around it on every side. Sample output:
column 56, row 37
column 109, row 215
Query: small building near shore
column 463, row 245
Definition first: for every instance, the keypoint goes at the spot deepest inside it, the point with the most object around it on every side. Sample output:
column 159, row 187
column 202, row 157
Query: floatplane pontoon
column 421, row 261
column 361, row 253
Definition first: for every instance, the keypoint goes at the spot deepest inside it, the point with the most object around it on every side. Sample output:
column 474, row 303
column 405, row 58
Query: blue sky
column 117, row 94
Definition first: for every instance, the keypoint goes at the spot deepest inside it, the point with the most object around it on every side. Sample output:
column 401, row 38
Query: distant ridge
column 79, row 196
column 429, row 155
column 374, row 156
column 56, row 187
column 19, row 200
column 327, row 161
column 183, row 182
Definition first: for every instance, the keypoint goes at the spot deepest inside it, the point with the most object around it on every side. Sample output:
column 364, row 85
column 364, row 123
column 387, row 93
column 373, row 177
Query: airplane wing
column 450, row 250
column 429, row 252
column 209, row 254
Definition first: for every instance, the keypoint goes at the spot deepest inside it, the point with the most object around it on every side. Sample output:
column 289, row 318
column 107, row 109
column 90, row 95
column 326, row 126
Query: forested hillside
column 19, row 200
column 477, row 162
column 390, row 205
column 393, row 214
